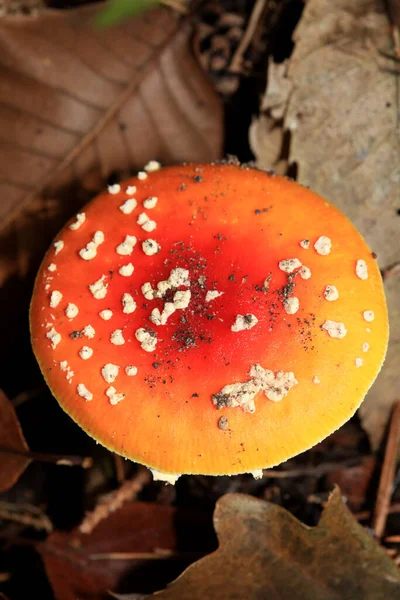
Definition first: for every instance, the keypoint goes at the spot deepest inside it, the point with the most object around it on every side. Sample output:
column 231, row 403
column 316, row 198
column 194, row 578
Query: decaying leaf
column 76, row 105
column 266, row 138
column 88, row 566
column 266, row 132
column 278, row 90
column 76, row 99
column 343, row 115
column 265, row 552
column 353, row 481
column 11, row 438
column 25, row 515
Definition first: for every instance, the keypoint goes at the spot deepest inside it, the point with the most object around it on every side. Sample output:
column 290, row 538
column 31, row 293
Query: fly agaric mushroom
column 245, row 328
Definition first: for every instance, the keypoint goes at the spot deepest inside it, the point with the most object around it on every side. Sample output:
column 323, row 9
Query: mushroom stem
column 67, row 460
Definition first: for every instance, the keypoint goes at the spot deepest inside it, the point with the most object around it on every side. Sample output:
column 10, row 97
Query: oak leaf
column 117, row 553
column 264, row 552
column 75, row 99
column 78, row 104
column 341, row 119
column 11, row 439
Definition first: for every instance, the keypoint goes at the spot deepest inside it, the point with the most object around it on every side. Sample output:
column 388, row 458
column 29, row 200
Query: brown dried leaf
column 266, row 133
column 266, row 139
column 77, row 103
column 278, row 90
column 265, row 552
column 343, row 116
column 353, row 482
column 76, row 100
column 87, row 566
column 11, row 438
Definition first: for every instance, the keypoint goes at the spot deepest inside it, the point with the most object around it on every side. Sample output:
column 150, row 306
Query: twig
column 387, row 475
column 119, row 468
column 25, row 396
column 392, row 539
column 395, row 508
column 316, row 471
column 158, row 554
column 67, row 460
column 176, row 5
column 393, row 8
column 365, row 515
column 128, row 491
column 396, row 40
column 33, row 517
column 391, row 270
column 237, row 58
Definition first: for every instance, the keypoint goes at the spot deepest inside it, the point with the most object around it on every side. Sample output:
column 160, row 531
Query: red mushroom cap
column 209, row 319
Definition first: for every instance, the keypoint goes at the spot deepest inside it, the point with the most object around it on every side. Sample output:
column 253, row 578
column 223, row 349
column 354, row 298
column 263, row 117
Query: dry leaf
column 354, row 482
column 266, row 139
column 266, row 132
column 265, row 552
column 75, row 99
column 78, row 567
column 278, row 90
column 343, row 117
column 77, row 104
column 25, row 515
column 11, row 438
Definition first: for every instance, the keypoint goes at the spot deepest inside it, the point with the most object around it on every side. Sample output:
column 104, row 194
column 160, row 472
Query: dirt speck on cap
column 223, row 423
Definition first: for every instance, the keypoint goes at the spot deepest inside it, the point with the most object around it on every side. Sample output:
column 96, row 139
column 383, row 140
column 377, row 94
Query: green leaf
column 116, row 11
